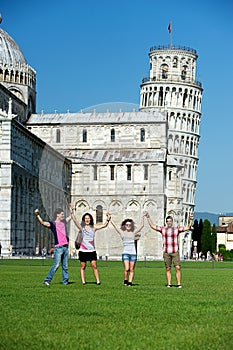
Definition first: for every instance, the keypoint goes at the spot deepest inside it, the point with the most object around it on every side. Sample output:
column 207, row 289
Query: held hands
column 72, row 209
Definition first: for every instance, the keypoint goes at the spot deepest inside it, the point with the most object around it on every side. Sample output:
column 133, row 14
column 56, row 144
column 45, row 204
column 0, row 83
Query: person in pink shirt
column 61, row 241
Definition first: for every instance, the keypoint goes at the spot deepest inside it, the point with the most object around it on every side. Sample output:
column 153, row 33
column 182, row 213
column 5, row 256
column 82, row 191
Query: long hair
column 91, row 220
column 56, row 212
column 124, row 222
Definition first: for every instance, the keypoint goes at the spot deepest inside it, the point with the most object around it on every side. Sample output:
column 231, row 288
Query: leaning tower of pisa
column 172, row 88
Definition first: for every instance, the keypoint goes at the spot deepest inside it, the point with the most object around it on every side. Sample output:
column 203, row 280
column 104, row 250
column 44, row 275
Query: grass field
column 111, row 316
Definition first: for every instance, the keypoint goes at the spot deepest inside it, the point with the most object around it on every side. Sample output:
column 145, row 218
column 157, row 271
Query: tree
column 214, row 239
column 206, row 240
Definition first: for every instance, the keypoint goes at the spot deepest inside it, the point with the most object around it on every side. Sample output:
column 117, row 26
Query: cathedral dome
column 10, row 52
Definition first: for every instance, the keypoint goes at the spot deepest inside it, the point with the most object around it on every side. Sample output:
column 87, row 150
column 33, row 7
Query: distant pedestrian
column 10, row 250
column 170, row 235
column 44, row 252
column 61, row 240
column 129, row 235
column 0, row 248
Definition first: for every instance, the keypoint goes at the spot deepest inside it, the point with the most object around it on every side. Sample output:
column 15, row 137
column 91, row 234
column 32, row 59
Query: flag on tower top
column 170, row 27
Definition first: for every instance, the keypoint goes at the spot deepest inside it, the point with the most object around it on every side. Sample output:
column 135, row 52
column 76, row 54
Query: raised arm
column 190, row 224
column 105, row 224
column 77, row 224
column 116, row 227
column 138, row 229
column 42, row 222
column 152, row 225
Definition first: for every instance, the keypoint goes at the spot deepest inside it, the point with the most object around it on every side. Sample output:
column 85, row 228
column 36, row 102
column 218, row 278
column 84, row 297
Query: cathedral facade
column 121, row 162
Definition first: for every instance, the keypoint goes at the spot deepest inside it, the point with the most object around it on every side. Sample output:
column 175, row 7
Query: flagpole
column 170, row 32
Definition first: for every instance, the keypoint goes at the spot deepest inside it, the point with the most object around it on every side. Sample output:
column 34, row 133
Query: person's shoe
column 46, row 283
column 125, row 283
column 129, row 284
column 179, row 286
column 98, row 283
column 66, row 283
column 169, row 286
column 83, row 283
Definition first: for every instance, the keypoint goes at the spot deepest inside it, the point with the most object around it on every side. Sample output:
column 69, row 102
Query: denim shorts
column 129, row 257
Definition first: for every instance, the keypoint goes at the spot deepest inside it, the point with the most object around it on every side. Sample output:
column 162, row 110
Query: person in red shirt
column 170, row 235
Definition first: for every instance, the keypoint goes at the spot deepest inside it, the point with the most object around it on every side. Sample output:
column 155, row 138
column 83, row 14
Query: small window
column 129, row 175
column 84, row 135
column 142, row 135
column 112, row 135
column 95, row 173
column 99, row 214
column 175, row 60
column 112, row 172
column 58, row 136
column 146, row 173
column 164, row 69
column 184, row 73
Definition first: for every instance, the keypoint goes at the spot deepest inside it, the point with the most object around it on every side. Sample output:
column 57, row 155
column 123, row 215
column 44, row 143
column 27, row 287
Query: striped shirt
column 170, row 238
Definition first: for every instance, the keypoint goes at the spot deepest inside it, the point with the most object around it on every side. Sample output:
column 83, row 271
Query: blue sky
column 91, row 52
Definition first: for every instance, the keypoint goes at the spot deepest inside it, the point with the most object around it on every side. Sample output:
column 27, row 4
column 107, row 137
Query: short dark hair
column 56, row 212
column 169, row 217
column 91, row 220
column 124, row 222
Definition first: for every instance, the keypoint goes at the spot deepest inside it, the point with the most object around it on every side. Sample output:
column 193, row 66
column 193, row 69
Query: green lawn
column 111, row 316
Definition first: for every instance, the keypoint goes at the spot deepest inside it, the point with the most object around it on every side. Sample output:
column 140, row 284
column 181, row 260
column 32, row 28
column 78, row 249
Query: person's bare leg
column 131, row 271
column 95, row 270
column 178, row 274
column 168, row 275
column 82, row 271
column 126, row 270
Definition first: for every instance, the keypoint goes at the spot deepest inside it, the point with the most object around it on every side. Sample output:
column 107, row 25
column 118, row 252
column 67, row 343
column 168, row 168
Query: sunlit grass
column 111, row 316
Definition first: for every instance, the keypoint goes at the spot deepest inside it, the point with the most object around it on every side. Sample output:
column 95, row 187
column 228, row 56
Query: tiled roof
column 97, row 118
column 226, row 229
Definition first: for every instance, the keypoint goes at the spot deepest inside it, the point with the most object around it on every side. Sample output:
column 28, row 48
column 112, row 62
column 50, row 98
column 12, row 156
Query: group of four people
column 128, row 233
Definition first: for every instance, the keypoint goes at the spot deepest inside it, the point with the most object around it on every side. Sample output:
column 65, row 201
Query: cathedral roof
column 97, row 118
column 122, row 155
column 10, row 52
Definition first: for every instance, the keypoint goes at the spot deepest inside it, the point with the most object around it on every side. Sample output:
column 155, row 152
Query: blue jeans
column 60, row 255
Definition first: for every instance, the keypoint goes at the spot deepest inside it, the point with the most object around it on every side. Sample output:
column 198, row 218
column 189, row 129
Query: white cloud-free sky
column 91, row 52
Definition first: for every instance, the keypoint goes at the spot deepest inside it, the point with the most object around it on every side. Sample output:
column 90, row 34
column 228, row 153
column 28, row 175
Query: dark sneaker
column 169, row 286
column 125, row 283
column 98, row 283
column 129, row 284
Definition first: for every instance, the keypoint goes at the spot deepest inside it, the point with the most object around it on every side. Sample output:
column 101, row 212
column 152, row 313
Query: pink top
column 61, row 233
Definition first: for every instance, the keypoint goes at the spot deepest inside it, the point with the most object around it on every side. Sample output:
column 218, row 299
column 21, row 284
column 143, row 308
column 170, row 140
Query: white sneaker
column 46, row 283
